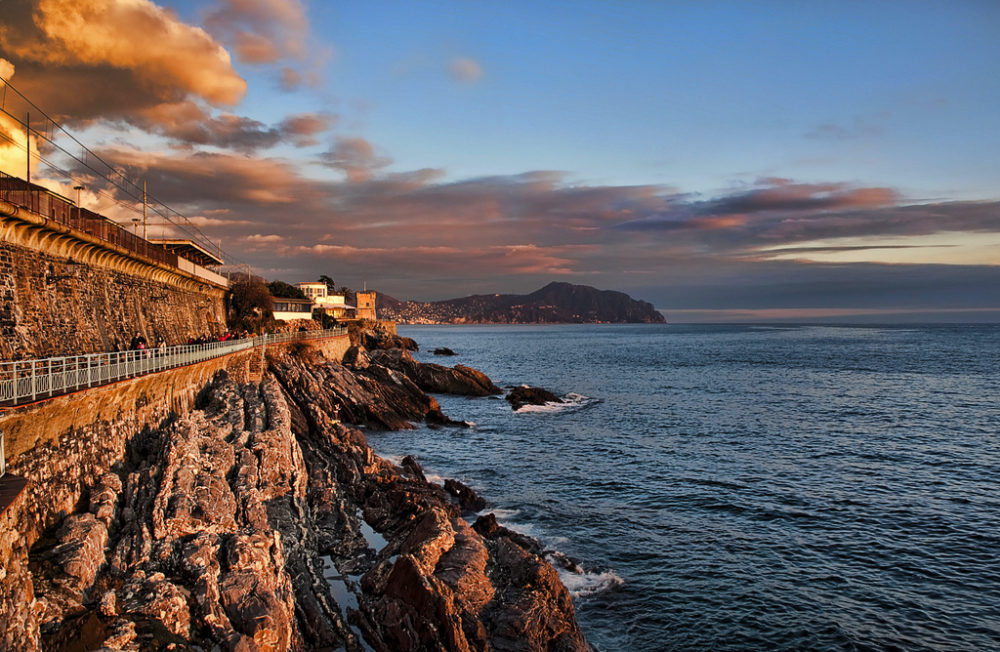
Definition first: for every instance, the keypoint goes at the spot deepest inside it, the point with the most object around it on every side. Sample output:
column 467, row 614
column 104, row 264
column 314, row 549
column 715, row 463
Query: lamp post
column 78, row 188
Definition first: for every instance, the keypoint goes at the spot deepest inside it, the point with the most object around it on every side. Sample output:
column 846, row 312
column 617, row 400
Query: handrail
column 26, row 381
column 44, row 203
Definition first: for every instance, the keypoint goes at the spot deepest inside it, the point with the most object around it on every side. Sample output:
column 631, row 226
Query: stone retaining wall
column 64, row 444
column 49, row 307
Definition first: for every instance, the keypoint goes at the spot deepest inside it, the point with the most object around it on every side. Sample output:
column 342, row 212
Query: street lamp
column 78, row 189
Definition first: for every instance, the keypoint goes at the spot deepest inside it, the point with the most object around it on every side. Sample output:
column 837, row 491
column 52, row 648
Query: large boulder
column 521, row 396
column 435, row 378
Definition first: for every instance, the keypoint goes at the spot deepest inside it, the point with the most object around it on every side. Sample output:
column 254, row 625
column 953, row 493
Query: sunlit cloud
column 355, row 157
column 86, row 59
column 465, row 70
column 261, row 31
column 942, row 248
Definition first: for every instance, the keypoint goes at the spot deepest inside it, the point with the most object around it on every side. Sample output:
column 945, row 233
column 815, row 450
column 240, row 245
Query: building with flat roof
column 313, row 289
column 286, row 309
column 189, row 249
column 334, row 305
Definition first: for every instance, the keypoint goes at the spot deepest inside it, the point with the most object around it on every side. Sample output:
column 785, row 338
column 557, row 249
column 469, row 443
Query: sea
column 743, row 487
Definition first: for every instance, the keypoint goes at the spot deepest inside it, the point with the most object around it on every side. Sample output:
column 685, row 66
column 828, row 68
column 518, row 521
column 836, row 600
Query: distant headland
column 556, row 303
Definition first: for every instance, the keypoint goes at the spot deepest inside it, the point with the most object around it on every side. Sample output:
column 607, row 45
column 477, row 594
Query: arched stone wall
column 65, row 293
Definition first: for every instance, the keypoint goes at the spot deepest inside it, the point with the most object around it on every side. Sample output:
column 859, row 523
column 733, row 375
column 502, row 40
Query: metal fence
column 27, row 381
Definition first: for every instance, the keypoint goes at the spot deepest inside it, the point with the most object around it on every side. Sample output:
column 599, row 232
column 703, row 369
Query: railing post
column 3, row 457
column 34, row 380
column 90, row 377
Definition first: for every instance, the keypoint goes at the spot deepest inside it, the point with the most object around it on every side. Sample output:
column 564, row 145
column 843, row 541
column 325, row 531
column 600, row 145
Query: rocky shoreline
column 262, row 521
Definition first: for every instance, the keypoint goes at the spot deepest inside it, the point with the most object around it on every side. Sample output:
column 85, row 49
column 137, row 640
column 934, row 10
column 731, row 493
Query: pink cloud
column 465, row 70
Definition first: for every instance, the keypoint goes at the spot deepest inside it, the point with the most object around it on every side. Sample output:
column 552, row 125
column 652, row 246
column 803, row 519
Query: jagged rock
column 410, row 465
column 521, row 396
column 418, row 612
column 104, row 497
column 468, row 499
column 376, row 395
column 256, row 593
column 444, row 350
column 378, row 339
column 122, row 636
column 463, row 568
column 80, row 553
column 431, row 538
column 461, row 380
column 232, row 517
column 108, row 605
column 356, row 357
column 539, row 619
column 487, row 526
column 156, row 599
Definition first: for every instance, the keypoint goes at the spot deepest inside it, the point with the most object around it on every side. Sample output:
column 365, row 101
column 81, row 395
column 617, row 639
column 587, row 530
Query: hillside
column 556, row 303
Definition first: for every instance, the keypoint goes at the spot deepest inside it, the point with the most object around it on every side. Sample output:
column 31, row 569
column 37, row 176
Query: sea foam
column 582, row 584
column 571, row 402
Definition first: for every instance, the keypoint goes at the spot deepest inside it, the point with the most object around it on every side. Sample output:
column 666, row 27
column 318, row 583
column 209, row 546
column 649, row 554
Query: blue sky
column 670, row 149
column 699, row 95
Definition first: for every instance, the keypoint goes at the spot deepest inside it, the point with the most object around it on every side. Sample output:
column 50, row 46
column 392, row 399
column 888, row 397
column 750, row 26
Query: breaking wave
column 571, row 402
column 583, row 584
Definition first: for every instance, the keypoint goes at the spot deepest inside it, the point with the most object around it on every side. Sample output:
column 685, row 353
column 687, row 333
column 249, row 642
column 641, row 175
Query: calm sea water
column 745, row 488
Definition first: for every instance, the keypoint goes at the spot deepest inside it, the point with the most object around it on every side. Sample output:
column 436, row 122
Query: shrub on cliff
column 250, row 306
column 285, row 291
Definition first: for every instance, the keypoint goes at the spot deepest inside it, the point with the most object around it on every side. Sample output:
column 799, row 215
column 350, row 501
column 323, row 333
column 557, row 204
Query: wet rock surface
column 259, row 521
column 521, row 396
column 468, row 500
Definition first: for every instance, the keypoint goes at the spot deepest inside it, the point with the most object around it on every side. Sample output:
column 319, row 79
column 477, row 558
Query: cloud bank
column 419, row 234
column 422, row 237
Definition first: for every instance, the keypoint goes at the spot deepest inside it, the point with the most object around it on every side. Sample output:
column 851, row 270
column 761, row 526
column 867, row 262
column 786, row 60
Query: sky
column 726, row 161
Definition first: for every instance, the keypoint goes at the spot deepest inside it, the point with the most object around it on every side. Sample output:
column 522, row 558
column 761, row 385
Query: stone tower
column 366, row 305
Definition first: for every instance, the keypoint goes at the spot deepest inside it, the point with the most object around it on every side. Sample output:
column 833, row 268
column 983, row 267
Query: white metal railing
column 25, row 381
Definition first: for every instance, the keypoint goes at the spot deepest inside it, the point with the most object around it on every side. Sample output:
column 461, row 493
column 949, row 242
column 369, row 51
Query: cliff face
column 556, row 303
column 258, row 522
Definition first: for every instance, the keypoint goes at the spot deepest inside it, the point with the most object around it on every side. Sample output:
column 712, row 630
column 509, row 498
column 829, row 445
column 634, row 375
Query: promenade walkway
column 27, row 381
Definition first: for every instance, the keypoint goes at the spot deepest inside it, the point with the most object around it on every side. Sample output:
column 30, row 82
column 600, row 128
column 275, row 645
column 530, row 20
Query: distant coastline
column 556, row 303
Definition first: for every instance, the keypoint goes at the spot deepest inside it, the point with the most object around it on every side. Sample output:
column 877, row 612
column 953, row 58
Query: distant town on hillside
column 556, row 303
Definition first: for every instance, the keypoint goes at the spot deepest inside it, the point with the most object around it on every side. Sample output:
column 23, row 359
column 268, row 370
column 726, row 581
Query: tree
column 285, row 291
column 250, row 305
column 331, row 287
column 348, row 293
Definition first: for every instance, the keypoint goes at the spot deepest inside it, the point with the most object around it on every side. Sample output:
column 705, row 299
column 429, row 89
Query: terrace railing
column 27, row 381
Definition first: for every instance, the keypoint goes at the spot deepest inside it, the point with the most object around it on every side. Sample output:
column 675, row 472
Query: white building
column 334, row 305
column 287, row 309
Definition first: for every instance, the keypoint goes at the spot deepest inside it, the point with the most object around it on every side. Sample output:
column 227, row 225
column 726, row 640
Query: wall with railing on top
column 47, row 204
column 26, row 381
